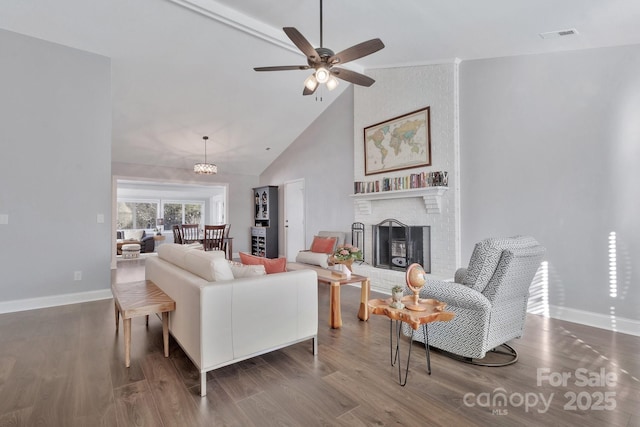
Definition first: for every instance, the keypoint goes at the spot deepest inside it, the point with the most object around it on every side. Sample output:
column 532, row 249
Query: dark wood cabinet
column 264, row 233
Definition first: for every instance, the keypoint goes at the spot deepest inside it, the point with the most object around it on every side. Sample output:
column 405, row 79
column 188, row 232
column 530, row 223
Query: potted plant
column 346, row 254
column 397, row 292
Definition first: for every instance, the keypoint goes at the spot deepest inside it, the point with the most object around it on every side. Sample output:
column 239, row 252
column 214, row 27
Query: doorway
column 294, row 218
column 207, row 202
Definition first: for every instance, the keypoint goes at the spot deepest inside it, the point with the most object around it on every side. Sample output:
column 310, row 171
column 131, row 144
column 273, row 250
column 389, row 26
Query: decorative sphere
column 415, row 276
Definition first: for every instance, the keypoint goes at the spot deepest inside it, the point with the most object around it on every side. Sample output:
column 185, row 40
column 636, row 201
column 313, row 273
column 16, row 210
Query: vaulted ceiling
column 182, row 69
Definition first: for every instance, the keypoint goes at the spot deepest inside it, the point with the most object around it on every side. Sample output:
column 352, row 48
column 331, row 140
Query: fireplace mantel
column 432, row 197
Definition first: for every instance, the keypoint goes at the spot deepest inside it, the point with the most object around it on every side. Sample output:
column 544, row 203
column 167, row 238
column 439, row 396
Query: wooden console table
column 433, row 312
column 335, row 280
column 141, row 298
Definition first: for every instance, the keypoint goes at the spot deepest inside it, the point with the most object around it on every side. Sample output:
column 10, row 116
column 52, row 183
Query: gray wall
column 549, row 146
column 55, row 178
column 323, row 156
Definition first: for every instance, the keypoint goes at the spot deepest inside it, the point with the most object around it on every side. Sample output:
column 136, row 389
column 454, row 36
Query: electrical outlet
column 100, row 218
column 77, row 275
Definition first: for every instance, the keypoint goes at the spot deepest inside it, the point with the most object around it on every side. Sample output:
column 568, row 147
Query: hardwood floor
column 64, row 366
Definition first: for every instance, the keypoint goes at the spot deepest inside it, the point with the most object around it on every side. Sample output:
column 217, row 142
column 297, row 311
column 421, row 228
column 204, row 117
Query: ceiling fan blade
column 357, row 51
column 352, row 77
column 282, row 68
column 302, row 43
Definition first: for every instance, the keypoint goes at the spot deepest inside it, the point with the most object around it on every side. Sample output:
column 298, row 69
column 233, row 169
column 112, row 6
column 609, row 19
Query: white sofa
column 220, row 320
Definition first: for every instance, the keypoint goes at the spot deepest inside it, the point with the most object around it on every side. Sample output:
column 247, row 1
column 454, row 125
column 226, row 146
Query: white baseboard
column 54, row 300
column 597, row 320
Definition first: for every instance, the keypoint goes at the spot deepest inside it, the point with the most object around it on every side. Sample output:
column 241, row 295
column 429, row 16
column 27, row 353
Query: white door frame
column 294, row 209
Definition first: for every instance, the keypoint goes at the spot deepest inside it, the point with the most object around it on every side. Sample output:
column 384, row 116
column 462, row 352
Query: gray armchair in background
column 489, row 299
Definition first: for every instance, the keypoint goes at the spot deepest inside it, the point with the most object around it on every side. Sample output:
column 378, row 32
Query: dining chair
column 228, row 243
column 177, row 234
column 190, row 233
column 214, row 237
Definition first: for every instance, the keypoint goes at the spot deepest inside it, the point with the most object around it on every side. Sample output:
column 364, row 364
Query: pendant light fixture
column 205, row 168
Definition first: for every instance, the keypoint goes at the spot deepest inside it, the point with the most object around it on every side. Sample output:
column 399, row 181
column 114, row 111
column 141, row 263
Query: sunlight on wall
column 624, row 146
column 539, row 291
column 613, row 269
column 613, row 278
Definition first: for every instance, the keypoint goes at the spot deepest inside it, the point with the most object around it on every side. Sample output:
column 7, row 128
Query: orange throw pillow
column 323, row 245
column 271, row 265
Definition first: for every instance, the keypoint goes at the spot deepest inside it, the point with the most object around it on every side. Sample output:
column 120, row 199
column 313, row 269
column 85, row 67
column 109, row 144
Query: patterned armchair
column 489, row 299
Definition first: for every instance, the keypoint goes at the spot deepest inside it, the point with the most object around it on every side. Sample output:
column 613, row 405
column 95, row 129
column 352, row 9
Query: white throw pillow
column 313, row 258
column 240, row 270
column 133, row 234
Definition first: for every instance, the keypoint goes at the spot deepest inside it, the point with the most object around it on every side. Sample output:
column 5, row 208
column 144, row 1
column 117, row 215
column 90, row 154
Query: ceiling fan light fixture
column 322, row 60
column 332, row 83
column 322, row 75
column 311, row 83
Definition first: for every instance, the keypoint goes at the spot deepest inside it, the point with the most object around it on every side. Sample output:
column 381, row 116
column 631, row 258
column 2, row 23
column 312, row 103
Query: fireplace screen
column 396, row 245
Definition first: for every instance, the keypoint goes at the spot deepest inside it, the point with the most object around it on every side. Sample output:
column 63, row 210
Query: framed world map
column 403, row 142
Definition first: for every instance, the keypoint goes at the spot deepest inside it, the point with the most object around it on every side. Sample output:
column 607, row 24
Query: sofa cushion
column 313, row 258
column 323, row 245
column 275, row 265
column 194, row 245
column 339, row 235
column 210, row 265
column 133, row 234
column 485, row 258
column 240, row 270
column 173, row 253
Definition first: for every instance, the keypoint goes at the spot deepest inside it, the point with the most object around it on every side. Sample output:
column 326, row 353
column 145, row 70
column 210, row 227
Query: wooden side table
column 141, row 298
column 433, row 312
column 335, row 280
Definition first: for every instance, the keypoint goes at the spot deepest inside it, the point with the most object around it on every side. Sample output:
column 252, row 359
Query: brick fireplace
column 398, row 91
column 411, row 209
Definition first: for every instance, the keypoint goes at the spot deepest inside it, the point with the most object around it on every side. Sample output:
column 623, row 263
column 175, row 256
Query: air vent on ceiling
column 559, row 33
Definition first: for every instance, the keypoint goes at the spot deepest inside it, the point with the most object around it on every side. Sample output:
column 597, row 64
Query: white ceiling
column 182, row 69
